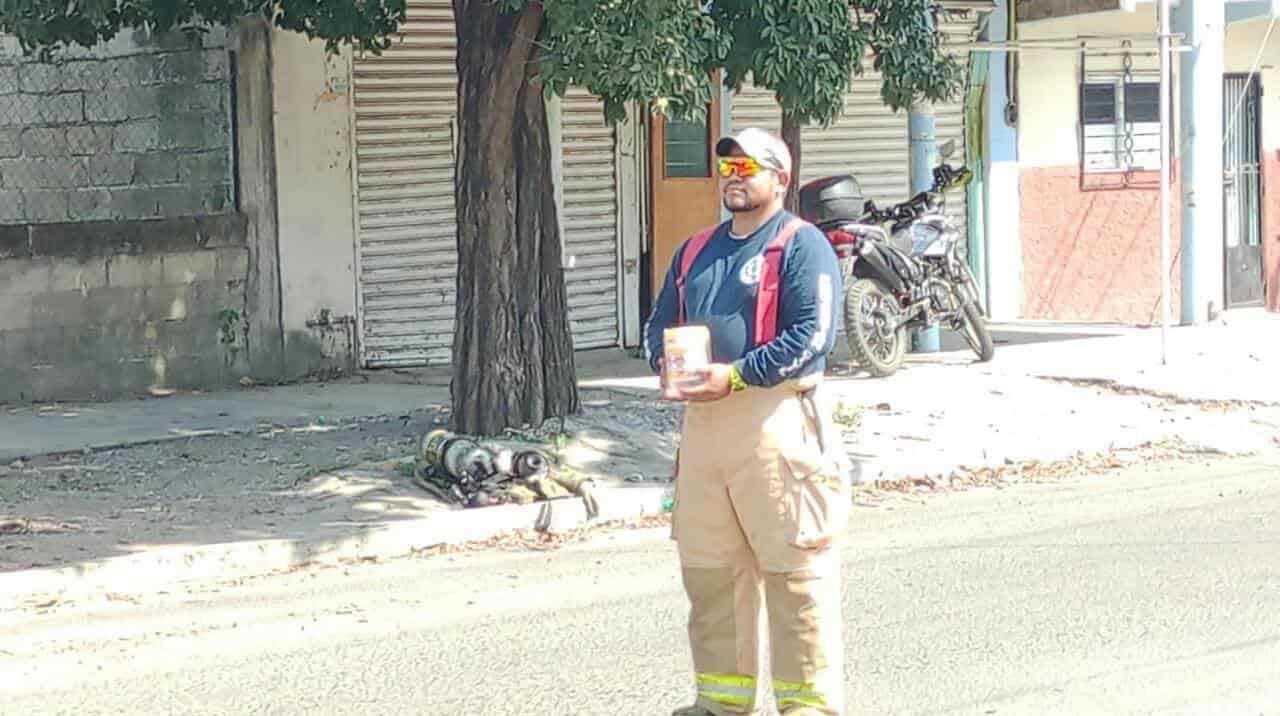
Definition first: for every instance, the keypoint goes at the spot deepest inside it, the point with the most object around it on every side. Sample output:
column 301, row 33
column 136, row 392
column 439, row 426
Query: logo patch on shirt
column 751, row 270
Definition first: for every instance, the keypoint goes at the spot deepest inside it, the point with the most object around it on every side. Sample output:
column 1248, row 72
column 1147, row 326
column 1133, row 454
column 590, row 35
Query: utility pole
column 921, row 128
column 1200, row 84
column 1165, row 172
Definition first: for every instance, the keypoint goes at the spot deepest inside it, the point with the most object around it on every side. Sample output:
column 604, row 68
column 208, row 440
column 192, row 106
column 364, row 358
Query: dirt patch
column 323, row 481
column 201, row 490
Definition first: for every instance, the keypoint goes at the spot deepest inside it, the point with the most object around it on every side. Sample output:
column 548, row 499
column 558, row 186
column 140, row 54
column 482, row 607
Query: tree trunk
column 791, row 135
column 512, row 349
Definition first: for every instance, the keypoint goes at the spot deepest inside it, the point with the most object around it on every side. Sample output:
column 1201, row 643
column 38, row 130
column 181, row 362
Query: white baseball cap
column 760, row 145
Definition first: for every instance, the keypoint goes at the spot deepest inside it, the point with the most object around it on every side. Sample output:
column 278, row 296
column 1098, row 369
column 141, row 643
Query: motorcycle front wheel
column 974, row 329
column 870, row 315
column 968, row 287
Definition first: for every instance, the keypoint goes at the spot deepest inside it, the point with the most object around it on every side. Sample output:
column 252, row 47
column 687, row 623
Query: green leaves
column 805, row 51
column 908, row 52
column 660, row 53
column 44, row 26
column 366, row 24
column 41, row 24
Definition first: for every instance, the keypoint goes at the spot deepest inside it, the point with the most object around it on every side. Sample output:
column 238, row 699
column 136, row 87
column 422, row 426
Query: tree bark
column 791, row 135
column 513, row 362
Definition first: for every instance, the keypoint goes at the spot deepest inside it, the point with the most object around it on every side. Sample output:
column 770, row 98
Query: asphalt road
column 1153, row 591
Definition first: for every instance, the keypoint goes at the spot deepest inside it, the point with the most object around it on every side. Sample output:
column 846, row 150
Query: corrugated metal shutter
column 590, row 191
column 869, row 140
column 405, row 101
column 405, row 106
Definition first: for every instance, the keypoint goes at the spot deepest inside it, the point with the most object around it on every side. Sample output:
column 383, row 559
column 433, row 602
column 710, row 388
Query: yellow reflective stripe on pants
column 728, row 689
column 792, row 693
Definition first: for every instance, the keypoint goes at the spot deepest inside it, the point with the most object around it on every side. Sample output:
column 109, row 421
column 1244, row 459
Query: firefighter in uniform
column 763, row 486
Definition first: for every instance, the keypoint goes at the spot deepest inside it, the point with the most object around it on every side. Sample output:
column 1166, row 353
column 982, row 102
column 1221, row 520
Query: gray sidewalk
column 27, row 431
column 43, row 429
column 243, row 482
column 1234, row 359
column 1237, row 359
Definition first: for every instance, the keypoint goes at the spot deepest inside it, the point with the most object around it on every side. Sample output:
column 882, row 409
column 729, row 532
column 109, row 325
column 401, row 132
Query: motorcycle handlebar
column 944, row 177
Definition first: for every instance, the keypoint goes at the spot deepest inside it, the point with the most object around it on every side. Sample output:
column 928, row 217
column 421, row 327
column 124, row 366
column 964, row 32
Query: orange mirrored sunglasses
column 745, row 167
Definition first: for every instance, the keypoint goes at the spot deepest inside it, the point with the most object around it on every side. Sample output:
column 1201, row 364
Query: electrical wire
column 1257, row 61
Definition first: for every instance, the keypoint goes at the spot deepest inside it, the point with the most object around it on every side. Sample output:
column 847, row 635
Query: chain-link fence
column 139, row 135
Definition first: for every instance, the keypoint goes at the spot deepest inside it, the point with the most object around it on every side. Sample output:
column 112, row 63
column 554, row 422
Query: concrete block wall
column 138, row 128
column 100, row 310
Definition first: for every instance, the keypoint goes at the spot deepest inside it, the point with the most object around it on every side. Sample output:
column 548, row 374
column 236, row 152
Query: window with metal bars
column 1120, row 125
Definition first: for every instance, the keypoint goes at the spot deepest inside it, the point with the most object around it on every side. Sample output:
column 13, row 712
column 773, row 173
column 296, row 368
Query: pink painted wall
column 1092, row 255
column 1271, row 227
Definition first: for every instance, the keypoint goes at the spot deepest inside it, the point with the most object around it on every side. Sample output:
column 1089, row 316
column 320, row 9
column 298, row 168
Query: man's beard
column 746, row 205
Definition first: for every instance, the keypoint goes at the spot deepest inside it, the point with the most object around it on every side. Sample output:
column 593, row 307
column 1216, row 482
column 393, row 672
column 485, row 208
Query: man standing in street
column 763, row 489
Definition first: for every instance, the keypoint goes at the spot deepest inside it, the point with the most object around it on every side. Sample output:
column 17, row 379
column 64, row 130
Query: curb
column 173, row 566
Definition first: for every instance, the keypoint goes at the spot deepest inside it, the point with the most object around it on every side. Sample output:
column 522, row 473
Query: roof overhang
column 982, row 5
column 1236, row 10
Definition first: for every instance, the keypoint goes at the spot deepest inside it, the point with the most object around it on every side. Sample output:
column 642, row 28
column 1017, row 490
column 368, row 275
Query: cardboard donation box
column 686, row 350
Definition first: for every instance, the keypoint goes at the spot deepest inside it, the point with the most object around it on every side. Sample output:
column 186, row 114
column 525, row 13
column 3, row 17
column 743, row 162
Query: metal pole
column 1165, row 170
column 923, row 147
column 1200, row 127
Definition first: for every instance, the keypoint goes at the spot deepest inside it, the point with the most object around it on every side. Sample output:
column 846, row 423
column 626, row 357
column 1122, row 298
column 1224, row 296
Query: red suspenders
column 766, row 326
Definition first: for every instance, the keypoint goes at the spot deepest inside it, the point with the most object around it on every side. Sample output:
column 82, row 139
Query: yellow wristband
column 736, row 382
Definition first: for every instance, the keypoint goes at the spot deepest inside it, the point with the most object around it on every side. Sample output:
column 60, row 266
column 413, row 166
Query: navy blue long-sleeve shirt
column 720, row 292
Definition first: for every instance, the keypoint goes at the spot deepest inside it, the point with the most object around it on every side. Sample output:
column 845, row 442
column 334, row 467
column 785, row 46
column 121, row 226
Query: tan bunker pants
column 759, row 504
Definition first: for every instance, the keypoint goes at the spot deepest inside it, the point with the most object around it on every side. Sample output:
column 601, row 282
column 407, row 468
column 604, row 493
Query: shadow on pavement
column 308, row 489
column 335, row 482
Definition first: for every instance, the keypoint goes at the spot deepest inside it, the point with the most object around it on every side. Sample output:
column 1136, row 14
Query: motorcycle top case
column 834, row 198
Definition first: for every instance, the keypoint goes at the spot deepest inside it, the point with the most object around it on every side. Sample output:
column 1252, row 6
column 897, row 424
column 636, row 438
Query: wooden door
column 684, row 188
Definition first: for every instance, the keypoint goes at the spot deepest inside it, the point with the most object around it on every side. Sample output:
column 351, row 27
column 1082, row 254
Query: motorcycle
column 902, row 268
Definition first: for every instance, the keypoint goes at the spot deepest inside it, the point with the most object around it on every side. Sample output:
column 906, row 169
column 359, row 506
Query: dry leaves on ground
column 33, row 526
column 1041, row 470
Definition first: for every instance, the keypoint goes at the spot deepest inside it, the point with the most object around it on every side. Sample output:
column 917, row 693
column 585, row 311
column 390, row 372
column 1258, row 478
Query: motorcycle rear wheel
column 869, row 311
